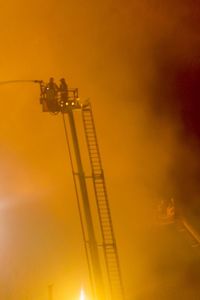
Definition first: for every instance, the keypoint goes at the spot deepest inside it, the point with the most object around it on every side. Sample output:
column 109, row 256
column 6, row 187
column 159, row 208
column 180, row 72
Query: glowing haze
column 116, row 53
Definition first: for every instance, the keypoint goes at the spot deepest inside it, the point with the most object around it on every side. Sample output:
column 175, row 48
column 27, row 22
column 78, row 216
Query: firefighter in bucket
column 49, row 96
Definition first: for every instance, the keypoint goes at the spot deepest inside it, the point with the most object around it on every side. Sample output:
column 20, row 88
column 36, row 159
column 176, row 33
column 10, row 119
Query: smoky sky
column 138, row 62
column 176, row 95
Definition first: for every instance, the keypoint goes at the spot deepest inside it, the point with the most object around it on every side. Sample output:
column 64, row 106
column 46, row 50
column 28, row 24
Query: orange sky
column 107, row 50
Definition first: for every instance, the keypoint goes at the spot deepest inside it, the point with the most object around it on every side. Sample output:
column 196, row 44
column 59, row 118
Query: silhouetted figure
column 51, row 95
column 63, row 91
column 171, row 209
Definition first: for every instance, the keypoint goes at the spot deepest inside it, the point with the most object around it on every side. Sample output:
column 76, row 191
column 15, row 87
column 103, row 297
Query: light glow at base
column 82, row 295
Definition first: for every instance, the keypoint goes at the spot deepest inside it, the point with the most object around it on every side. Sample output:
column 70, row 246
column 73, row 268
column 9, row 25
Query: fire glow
column 82, row 295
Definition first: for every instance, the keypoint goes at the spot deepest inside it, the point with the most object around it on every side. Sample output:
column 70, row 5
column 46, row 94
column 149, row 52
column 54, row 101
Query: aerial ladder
column 101, row 249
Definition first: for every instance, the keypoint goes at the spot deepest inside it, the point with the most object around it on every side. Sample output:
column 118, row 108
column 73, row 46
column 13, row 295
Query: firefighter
column 51, row 95
column 171, row 209
column 63, row 91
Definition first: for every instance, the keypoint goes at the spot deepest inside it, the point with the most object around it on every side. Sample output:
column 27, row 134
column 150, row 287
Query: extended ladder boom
column 105, row 274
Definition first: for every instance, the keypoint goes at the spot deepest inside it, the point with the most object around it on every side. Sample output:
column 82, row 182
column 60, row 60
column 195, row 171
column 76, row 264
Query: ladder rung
column 108, row 236
column 109, row 246
column 107, row 228
column 106, row 221
column 112, row 259
column 103, row 205
column 103, row 210
column 101, row 199
column 94, row 157
column 105, row 224
column 92, row 142
column 90, row 132
column 99, row 181
column 99, row 186
column 87, row 119
column 91, row 138
column 87, row 113
column 88, row 123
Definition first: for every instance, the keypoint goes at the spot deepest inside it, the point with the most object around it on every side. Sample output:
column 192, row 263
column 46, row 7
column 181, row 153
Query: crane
column 102, row 256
